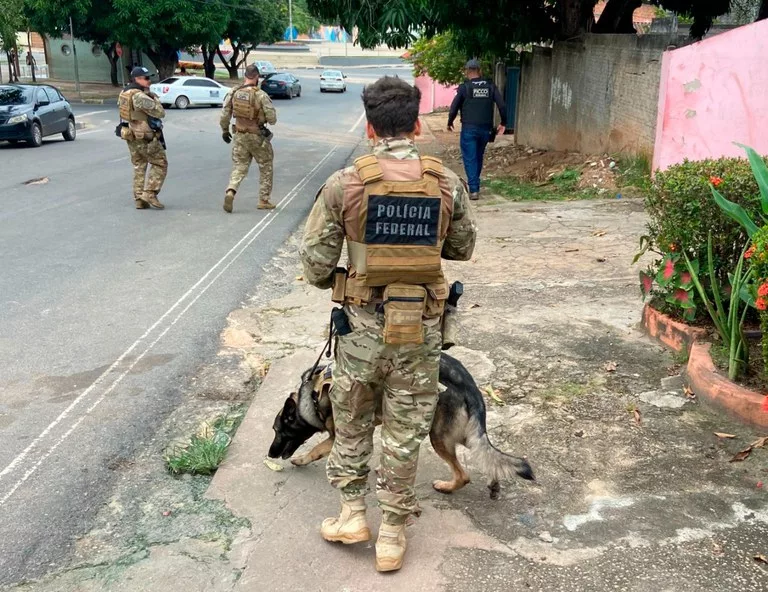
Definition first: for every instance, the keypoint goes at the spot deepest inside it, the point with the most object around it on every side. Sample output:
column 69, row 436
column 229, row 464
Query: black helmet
column 139, row 72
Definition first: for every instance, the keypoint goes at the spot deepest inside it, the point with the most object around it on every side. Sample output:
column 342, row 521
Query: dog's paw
column 444, row 486
column 300, row 461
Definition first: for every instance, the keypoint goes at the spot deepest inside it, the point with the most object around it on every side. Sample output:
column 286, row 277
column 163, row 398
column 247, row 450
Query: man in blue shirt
column 475, row 98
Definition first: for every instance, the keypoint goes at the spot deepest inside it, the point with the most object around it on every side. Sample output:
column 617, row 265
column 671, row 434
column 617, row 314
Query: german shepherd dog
column 459, row 419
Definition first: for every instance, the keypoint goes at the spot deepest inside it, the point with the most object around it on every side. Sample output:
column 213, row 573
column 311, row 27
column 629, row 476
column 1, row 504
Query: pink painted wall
column 714, row 93
column 433, row 94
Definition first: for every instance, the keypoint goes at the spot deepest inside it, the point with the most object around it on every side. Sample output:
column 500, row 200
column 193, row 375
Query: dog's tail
column 495, row 464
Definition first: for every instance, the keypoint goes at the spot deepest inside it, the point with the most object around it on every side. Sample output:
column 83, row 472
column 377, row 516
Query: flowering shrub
column 682, row 214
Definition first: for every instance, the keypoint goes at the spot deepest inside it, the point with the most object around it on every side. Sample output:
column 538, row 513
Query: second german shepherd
column 459, row 419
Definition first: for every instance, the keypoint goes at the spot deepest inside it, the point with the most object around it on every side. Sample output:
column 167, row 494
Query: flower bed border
column 708, row 384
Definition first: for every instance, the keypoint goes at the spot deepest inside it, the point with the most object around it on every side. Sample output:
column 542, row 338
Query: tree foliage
column 251, row 23
column 160, row 28
column 441, row 58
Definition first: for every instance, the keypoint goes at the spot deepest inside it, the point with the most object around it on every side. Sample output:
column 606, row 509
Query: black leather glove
column 226, row 136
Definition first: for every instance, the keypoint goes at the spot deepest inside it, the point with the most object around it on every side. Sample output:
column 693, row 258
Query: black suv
column 30, row 112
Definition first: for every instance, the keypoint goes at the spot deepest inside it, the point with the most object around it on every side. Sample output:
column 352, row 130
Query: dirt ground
column 505, row 159
column 633, row 492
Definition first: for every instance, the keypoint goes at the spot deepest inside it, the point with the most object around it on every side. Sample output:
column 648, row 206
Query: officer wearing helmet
column 140, row 111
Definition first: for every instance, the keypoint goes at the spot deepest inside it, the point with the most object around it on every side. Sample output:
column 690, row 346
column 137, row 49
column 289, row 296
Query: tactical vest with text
column 478, row 104
column 396, row 223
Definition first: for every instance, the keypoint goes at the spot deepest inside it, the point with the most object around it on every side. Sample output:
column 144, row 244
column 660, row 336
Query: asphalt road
column 104, row 309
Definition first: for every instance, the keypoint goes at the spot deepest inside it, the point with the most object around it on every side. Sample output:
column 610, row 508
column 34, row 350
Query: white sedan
column 183, row 91
column 333, row 80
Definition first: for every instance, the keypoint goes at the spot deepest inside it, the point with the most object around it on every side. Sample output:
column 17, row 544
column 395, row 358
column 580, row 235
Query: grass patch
column 206, row 449
column 561, row 187
column 634, row 174
column 566, row 391
column 680, row 357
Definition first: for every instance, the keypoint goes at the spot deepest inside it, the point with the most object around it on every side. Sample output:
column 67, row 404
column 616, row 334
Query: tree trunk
column 617, row 17
column 165, row 59
column 763, row 13
column 575, row 17
column 109, row 51
column 209, row 55
column 231, row 66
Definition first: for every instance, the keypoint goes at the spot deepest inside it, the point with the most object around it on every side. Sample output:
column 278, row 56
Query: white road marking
column 122, row 158
column 91, row 113
column 248, row 239
column 86, row 132
column 359, row 119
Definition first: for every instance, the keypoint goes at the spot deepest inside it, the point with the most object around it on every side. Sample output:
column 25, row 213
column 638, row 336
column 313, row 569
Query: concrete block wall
column 593, row 96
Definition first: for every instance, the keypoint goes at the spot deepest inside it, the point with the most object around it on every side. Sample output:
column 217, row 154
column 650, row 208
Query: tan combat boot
column 350, row 527
column 141, row 204
column 151, row 198
column 390, row 547
column 229, row 200
column 265, row 205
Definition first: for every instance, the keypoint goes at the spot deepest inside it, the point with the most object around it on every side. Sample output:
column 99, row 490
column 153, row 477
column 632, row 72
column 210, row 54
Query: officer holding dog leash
column 399, row 213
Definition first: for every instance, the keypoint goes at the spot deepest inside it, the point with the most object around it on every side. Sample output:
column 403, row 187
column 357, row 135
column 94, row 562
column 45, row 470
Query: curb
column 709, row 385
column 675, row 335
column 92, row 101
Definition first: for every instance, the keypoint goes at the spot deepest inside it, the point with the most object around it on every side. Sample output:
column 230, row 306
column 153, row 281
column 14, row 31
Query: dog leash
column 327, row 348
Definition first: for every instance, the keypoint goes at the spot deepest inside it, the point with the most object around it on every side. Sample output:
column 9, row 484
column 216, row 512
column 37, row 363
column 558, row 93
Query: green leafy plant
column 729, row 322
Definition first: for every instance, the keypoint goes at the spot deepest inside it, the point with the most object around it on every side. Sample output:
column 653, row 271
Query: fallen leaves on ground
column 689, row 394
column 601, row 259
column 717, row 549
column 722, row 435
column 744, row 454
column 299, row 278
column 493, row 395
column 475, row 306
column 273, row 465
column 610, row 366
column 599, row 233
column 638, row 417
column 761, row 559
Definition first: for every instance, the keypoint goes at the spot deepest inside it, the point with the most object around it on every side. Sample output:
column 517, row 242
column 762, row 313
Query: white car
column 183, row 91
column 265, row 68
column 333, row 80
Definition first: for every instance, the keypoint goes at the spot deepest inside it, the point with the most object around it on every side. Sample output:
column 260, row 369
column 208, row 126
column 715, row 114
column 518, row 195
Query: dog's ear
column 289, row 410
column 306, row 377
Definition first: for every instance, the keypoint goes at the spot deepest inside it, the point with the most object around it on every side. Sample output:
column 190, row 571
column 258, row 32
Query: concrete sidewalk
column 623, row 501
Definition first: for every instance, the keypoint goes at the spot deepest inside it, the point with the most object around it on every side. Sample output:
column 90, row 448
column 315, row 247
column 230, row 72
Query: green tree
column 442, row 59
column 303, row 19
column 251, row 23
column 11, row 22
column 163, row 27
column 92, row 20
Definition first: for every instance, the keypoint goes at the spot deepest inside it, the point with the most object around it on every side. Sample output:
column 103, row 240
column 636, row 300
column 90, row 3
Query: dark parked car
column 282, row 85
column 31, row 112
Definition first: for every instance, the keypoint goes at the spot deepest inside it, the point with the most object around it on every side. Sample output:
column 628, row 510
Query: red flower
column 761, row 304
column 715, row 181
column 682, row 296
column 763, row 289
column 669, row 269
column 750, row 252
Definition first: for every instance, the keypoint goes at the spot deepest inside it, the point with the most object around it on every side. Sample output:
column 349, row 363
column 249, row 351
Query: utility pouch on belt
column 339, row 285
column 126, row 133
column 437, row 294
column 403, row 310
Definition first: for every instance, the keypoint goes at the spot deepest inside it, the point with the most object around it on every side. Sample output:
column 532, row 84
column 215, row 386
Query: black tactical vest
column 478, row 103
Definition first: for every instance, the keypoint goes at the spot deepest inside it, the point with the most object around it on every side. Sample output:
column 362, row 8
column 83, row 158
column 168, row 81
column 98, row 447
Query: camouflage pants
column 247, row 147
column 409, row 377
column 144, row 154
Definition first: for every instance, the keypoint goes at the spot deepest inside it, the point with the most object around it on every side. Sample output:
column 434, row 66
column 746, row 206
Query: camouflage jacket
column 324, row 233
column 266, row 105
column 148, row 103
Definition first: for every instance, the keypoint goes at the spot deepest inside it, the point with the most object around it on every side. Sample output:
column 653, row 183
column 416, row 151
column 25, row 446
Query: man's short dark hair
column 391, row 106
column 252, row 72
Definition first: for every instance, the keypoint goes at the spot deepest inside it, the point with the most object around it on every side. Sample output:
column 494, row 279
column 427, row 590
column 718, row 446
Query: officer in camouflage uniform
column 399, row 213
column 252, row 109
column 137, row 105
